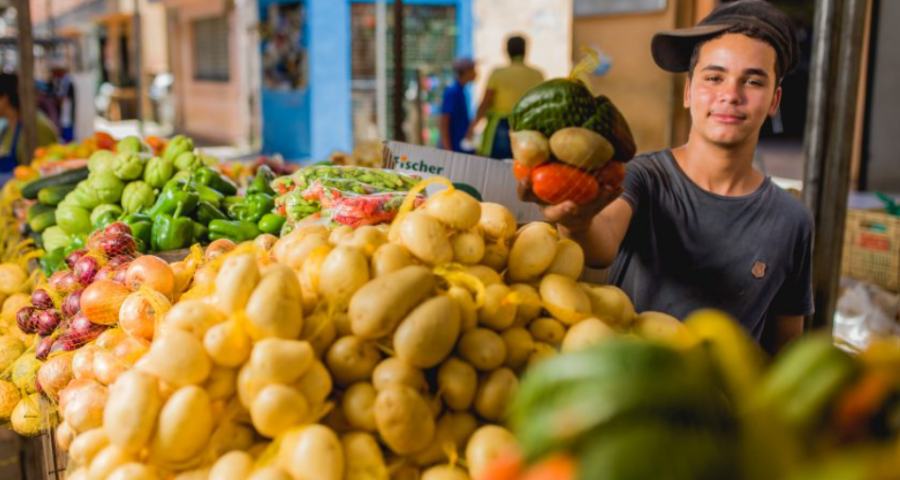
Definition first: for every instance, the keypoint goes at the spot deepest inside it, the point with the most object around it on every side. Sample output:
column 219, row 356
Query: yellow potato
column 499, row 311
column 249, row 384
column 610, row 304
column 364, row 458
column 426, row 238
column 367, row 239
column 519, row 346
column 468, row 314
column 483, row 349
column 320, row 331
column 495, row 394
column 269, row 473
column 451, row 433
column 377, row 307
column 532, row 253
column 547, row 330
column 273, row 309
column 445, row 472
column 496, row 255
column 87, row 445
column 581, row 147
column 108, row 460
column 227, row 344
column 192, row 316
column 528, row 303
column 358, row 405
column 564, row 299
column 310, row 275
column 529, row 147
column 281, row 361
column 235, row 282
column 569, row 259
column 541, row 351
column 344, row 272
column 178, row 358
column 394, row 370
column 312, row 452
column 390, row 257
column 427, row 335
column 131, row 410
column 404, row 419
column 287, row 245
column 352, row 359
column 457, row 382
column 234, row 465
column 586, row 333
column 221, row 384
column 184, row 426
column 454, row 208
column 315, row 385
column 277, row 408
column 133, row 471
column 486, row 275
column 497, row 222
column 339, row 233
column 662, row 327
column 468, row 248
column 296, row 254
column 229, row 436
column 486, row 445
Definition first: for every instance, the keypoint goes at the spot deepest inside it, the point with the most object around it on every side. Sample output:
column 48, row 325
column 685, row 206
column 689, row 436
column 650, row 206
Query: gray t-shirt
column 687, row 248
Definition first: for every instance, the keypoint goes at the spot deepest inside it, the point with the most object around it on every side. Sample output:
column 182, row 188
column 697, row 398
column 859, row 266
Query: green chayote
column 128, row 166
column 137, row 195
column 131, row 145
column 83, row 196
column 107, row 187
column 158, row 171
column 55, row 237
column 101, row 161
column 73, row 220
column 187, row 161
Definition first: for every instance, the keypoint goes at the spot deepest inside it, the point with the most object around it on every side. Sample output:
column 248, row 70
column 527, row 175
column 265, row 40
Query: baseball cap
column 672, row 50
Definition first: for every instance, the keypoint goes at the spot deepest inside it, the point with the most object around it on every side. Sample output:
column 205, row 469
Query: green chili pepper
column 235, row 230
column 262, row 183
column 215, row 180
column 206, row 212
column 271, row 223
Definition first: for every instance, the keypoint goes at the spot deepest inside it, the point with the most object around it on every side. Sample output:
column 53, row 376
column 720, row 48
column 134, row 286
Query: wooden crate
column 872, row 248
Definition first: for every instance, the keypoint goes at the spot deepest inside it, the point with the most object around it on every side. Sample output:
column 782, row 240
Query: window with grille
column 211, row 51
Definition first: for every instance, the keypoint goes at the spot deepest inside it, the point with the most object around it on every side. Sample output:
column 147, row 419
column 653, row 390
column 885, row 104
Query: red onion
column 41, row 300
column 47, row 321
column 118, row 245
column 72, row 304
column 26, row 319
column 65, row 283
column 86, row 270
column 43, row 348
column 118, row 260
column 117, row 228
column 74, row 257
column 80, row 324
column 120, row 275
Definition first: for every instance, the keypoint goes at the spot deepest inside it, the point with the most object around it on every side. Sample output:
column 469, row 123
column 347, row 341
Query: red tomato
column 105, row 141
column 555, row 183
column 612, row 174
column 555, row 467
column 520, row 170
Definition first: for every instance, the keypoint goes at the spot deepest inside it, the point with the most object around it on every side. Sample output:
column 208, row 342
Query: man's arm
column 445, row 131
column 780, row 330
column 486, row 103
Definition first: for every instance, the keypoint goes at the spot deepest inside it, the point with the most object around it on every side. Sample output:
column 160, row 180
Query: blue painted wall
column 309, row 124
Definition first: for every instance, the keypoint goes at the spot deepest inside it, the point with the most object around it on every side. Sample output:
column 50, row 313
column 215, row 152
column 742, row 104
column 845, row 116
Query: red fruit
column 47, row 321
column 43, row 348
column 117, row 228
column 74, row 257
column 26, row 319
column 72, row 304
column 556, row 183
column 520, row 170
column 85, row 270
column 41, row 300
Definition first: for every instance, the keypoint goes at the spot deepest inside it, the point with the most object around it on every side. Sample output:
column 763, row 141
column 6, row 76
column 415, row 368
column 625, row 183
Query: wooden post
column 399, row 81
column 27, row 90
column 828, row 147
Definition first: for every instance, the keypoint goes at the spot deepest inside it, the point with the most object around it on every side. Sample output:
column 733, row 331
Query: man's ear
column 687, row 92
column 776, row 101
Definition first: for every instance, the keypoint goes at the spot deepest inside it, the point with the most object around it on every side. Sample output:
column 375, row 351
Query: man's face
column 733, row 89
column 467, row 76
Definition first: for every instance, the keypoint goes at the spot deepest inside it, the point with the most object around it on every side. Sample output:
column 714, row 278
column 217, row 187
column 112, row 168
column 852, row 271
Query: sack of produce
column 568, row 143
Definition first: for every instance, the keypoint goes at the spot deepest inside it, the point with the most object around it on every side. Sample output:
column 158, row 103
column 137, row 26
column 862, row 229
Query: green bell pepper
column 106, row 186
column 176, row 195
column 201, row 233
column 208, row 194
column 215, row 180
column 271, row 223
column 187, row 161
column 158, row 171
column 128, row 166
column 105, row 214
column 178, row 145
column 252, row 208
column 141, row 229
column 262, row 183
column 73, row 220
column 137, row 196
column 172, row 231
column 207, row 212
column 234, row 230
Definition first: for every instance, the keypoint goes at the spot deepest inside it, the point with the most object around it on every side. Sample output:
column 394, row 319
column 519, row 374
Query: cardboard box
column 493, row 179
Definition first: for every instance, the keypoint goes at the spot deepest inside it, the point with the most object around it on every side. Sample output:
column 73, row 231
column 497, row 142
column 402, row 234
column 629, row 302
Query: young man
column 454, row 121
column 12, row 151
column 697, row 226
column 504, row 89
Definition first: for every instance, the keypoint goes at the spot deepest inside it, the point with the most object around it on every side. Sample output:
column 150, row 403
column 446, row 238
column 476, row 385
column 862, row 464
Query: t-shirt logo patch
column 759, row 269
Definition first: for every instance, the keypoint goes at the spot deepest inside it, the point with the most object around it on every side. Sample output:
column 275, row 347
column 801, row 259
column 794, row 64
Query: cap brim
column 672, row 50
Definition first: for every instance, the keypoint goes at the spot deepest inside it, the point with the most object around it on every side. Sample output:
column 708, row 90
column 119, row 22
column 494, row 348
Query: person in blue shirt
column 455, row 107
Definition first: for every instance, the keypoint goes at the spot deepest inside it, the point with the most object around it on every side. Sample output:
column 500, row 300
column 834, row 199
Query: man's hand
column 568, row 214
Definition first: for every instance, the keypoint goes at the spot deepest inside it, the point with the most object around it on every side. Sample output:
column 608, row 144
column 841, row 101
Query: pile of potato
column 375, row 353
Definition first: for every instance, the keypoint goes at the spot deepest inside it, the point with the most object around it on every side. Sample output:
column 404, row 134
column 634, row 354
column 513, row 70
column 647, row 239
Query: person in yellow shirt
column 12, row 148
column 505, row 87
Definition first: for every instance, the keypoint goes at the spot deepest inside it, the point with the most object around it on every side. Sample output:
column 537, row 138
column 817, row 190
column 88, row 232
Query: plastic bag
column 865, row 312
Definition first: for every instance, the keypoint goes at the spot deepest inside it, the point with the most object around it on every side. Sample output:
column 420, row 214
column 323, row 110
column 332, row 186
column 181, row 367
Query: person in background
column 455, row 107
column 64, row 94
column 12, row 151
column 505, row 87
